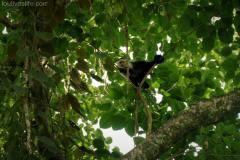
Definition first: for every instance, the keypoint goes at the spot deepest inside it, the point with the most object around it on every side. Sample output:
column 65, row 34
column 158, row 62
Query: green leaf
column 105, row 121
column 165, row 93
column 236, row 79
column 99, row 18
column 102, row 152
column 226, row 51
column 207, row 31
column 56, row 68
column 178, row 94
column 118, row 122
column 209, row 79
column 101, row 55
column 199, row 90
column 168, row 72
column 116, row 154
column 61, row 45
column 155, row 84
column 163, row 21
column 75, row 32
column 108, row 140
column 98, row 143
column 104, row 106
column 108, row 64
column 208, row 43
column 230, row 64
column 184, row 23
column 116, row 92
column 196, row 74
column 129, row 127
column 99, row 133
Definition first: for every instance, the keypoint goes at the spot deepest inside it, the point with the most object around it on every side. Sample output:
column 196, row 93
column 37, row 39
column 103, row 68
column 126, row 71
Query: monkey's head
column 123, row 64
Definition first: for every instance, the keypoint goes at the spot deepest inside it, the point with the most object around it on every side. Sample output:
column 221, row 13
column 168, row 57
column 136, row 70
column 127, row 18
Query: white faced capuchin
column 138, row 69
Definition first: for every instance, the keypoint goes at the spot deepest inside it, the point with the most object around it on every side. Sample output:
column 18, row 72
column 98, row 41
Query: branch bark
column 201, row 114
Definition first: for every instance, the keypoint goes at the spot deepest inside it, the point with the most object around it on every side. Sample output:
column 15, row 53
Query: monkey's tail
column 158, row 59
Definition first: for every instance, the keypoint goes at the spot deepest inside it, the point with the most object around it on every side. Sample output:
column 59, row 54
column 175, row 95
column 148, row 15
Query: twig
column 172, row 87
column 150, row 70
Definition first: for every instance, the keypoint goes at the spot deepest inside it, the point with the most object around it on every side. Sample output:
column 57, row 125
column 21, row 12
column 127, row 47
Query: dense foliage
column 54, row 55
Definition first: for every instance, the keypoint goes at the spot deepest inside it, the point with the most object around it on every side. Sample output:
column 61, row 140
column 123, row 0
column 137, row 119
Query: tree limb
column 145, row 105
column 147, row 112
column 26, row 108
column 201, row 114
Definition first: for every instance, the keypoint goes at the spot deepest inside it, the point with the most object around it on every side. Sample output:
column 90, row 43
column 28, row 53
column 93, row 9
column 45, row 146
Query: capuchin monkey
column 138, row 69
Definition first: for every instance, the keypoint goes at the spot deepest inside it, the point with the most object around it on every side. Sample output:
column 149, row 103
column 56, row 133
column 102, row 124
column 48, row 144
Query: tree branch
column 26, row 107
column 201, row 114
column 145, row 105
column 147, row 112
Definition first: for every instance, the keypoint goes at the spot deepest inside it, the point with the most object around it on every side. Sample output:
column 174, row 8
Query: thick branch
column 201, row 114
column 26, row 108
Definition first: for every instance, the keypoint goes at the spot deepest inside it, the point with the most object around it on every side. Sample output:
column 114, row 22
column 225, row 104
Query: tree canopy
column 58, row 75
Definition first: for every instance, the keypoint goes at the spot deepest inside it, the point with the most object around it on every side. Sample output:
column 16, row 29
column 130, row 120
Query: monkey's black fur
column 138, row 69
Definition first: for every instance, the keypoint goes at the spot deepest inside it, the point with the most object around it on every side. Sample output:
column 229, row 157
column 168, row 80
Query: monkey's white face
column 123, row 64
